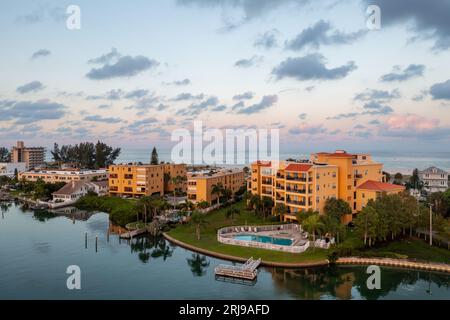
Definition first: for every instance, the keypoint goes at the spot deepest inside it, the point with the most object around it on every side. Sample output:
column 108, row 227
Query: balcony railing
column 296, row 190
column 266, row 182
column 295, row 202
column 280, row 187
column 302, row 179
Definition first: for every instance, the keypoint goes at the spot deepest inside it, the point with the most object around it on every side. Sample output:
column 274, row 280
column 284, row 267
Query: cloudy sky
column 136, row 70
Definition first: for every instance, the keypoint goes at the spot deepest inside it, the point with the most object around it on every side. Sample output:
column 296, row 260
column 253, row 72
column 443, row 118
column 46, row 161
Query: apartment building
column 434, row 179
column 143, row 179
column 54, row 176
column 33, row 157
column 308, row 185
column 200, row 184
column 172, row 170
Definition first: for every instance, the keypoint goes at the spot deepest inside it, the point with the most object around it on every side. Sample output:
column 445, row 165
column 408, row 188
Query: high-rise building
column 354, row 178
column 34, row 157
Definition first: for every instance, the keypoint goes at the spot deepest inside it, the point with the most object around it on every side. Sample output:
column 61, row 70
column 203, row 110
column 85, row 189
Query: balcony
column 296, row 202
column 267, row 181
column 280, row 198
column 280, row 176
column 296, row 190
column 358, row 176
column 292, row 178
column 280, row 187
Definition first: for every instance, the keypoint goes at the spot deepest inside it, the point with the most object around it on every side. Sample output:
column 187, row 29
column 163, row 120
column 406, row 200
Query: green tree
column 227, row 194
column 337, row 208
column 217, row 190
column 56, row 153
column 366, row 224
column 414, row 180
column 387, row 175
column 199, row 220
column 312, row 225
column 154, row 158
column 267, row 206
column 5, row 156
column 231, row 213
column 398, row 178
column 280, row 210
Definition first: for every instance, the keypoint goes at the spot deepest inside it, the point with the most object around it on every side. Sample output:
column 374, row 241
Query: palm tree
column 217, row 189
column 227, row 193
column 312, row 224
column 176, row 181
column 232, row 212
column 267, row 205
column 199, row 220
column 280, row 209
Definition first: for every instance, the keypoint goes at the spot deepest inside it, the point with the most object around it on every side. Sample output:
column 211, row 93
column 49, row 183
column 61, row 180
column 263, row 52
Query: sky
column 137, row 70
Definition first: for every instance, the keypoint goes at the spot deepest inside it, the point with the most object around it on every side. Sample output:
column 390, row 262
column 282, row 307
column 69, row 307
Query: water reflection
column 43, row 250
column 198, row 264
column 340, row 282
column 151, row 247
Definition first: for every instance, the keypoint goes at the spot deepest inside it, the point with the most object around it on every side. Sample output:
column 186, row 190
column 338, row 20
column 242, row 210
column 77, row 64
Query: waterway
column 37, row 247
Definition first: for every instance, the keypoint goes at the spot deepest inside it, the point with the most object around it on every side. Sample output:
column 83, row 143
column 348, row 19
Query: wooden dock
column 247, row 271
column 133, row 233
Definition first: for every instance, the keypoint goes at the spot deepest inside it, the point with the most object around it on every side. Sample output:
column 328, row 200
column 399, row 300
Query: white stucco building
column 74, row 190
column 434, row 179
column 9, row 168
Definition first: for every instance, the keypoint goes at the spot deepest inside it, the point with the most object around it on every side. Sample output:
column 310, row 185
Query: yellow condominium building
column 54, row 176
column 142, row 179
column 354, row 178
column 171, row 171
column 200, row 184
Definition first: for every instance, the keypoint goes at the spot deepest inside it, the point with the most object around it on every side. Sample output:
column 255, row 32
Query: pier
column 133, row 233
column 247, row 271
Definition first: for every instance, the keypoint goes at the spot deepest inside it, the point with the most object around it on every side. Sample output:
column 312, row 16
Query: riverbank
column 394, row 263
column 217, row 219
column 407, row 253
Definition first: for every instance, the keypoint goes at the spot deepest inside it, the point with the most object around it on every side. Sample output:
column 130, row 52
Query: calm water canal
column 36, row 249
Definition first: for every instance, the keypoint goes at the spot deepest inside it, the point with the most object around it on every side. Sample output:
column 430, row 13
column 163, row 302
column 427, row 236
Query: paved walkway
column 398, row 263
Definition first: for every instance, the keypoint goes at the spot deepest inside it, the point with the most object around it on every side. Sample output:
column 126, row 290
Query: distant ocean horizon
column 393, row 161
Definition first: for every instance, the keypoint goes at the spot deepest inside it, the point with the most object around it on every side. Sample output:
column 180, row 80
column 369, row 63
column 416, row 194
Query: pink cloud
column 410, row 121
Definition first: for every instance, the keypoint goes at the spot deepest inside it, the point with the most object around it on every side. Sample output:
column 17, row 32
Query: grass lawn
column 217, row 220
column 412, row 249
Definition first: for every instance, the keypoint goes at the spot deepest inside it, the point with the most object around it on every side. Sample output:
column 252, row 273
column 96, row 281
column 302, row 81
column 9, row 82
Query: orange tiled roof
column 379, row 186
column 298, row 167
column 264, row 163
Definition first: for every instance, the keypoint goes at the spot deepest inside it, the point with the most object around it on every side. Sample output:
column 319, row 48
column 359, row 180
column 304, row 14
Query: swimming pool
column 264, row 239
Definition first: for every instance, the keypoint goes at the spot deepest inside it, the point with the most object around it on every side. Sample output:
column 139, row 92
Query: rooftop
column 301, row 167
column 68, row 172
column 379, row 186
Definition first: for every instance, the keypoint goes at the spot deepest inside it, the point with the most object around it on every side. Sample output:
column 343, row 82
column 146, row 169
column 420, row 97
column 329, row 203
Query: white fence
column 256, row 244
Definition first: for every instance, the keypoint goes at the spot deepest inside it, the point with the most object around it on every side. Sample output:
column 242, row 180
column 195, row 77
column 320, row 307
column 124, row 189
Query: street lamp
column 431, row 225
